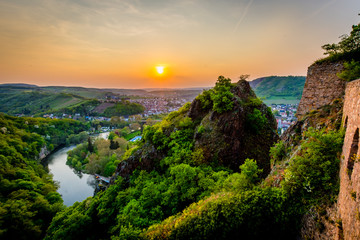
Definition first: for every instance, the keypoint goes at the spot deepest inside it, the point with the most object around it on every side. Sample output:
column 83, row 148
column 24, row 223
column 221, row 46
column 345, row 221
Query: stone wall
column 349, row 196
column 322, row 86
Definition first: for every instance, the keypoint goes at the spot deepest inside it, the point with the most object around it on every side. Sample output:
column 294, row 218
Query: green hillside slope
column 30, row 101
column 275, row 89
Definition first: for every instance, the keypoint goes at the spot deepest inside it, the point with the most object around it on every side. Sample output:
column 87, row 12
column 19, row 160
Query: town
column 285, row 115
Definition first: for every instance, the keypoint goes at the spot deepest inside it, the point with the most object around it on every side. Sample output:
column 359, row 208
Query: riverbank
column 73, row 185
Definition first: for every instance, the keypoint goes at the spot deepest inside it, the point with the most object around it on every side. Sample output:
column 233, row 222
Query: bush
column 313, row 174
column 351, row 71
column 256, row 121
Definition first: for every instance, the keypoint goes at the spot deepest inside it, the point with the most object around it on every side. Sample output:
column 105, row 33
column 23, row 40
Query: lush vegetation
column 34, row 101
column 348, row 51
column 99, row 156
column 275, row 88
column 218, row 98
column 351, row 71
column 124, row 108
column 263, row 212
column 183, row 196
column 28, row 197
column 348, row 44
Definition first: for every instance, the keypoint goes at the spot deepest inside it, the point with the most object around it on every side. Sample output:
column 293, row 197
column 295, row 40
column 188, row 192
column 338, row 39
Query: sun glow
column 160, row 69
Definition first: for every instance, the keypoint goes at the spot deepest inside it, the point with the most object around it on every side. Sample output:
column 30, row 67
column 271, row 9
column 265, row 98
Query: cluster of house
column 285, row 115
column 159, row 105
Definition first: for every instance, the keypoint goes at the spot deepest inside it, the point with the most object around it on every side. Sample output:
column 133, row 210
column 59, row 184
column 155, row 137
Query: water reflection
column 74, row 186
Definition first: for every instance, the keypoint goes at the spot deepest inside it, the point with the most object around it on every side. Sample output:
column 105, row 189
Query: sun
column 160, row 69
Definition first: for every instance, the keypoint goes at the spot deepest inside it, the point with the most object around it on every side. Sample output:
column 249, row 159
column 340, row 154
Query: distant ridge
column 18, row 85
column 279, row 89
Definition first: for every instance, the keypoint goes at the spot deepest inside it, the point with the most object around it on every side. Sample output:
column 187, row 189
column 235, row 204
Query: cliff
column 322, row 86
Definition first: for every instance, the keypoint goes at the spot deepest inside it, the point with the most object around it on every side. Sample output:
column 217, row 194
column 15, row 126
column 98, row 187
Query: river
column 74, row 186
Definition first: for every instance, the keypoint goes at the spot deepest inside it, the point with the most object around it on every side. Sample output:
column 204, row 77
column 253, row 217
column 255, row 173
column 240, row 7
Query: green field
column 281, row 100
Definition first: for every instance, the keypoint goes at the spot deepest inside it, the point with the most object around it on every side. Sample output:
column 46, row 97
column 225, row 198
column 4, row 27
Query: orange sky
column 118, row 43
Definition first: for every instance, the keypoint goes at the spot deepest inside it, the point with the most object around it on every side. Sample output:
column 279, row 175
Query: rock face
column 349, row 196
column 322, row 86
column 224, row 139
column 229, row 138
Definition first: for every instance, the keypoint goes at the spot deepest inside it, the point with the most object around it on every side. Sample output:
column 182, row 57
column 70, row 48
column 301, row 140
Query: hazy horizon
column 119, row 43
column 145, row 88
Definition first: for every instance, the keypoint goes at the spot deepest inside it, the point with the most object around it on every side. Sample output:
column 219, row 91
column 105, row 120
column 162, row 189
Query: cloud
column 319, row 10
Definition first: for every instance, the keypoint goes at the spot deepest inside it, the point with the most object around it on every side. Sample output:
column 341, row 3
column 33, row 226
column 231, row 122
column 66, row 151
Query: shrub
column 313, row 173
column 256, row 120
column 351, row 71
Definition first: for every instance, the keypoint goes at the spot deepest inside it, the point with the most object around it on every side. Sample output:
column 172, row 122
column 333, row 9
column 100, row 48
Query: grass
column 132, row 135
column 281, row 100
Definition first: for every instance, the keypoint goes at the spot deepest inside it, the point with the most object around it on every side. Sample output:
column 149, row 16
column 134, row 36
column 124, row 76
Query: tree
column 114, row 144
column 221, row 95
column 90, row 145
column 348, row 43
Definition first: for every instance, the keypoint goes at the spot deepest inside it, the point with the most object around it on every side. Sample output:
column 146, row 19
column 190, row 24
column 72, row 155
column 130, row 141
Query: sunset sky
column 119, row 43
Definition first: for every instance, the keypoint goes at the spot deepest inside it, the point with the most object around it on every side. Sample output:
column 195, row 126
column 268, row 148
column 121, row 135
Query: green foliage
column 219, row 98
column 252, row 214
column 256, row 120
column 124, row 108
column 278, row 152
column 347, row 49
column 28, row 197
column 351, row 71
column 285, row 88
column 254, row 102
column 103, row 159
column 313, row 173
column 348, row 43
column 205, row 99
column 221, row 95
column 77, row 138
column 36, row 101
column 132, row 135
column 250, row 170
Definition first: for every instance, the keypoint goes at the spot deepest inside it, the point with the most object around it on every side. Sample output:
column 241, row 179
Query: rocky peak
column 226, row 139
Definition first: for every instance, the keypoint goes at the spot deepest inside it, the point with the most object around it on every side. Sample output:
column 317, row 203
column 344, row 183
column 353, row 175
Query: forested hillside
column 28, row 197
column 276, row 89
column 29, row 100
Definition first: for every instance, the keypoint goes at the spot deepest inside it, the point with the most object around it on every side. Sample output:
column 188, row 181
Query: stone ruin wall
column 349, row 196
column 322, row 86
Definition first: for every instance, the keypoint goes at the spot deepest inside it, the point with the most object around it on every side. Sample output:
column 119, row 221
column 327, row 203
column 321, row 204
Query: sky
column 119, row 43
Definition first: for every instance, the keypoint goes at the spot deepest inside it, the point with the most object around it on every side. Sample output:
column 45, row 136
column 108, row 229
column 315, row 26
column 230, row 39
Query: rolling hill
column 276, row 89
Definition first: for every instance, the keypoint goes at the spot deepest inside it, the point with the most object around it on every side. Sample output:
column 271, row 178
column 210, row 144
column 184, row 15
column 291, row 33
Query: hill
column 29, row 100
column 33, row 100
column 276, row 89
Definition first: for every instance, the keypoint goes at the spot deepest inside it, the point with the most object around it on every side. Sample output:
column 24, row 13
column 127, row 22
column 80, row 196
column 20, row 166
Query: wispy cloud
column 243, row 15
column 319, row 10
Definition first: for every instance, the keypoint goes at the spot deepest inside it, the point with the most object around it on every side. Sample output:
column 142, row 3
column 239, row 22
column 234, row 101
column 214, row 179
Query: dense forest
column 28, row 197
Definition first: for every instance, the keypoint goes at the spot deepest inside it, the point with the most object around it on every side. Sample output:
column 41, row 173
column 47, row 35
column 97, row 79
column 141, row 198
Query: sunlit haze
column 121, row 43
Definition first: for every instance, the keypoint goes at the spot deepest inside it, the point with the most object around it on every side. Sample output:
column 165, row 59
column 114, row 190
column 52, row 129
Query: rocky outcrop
column 230, row 138
column 223, row 139
column 322, row 86
column 44, row 152
column 144, row 159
